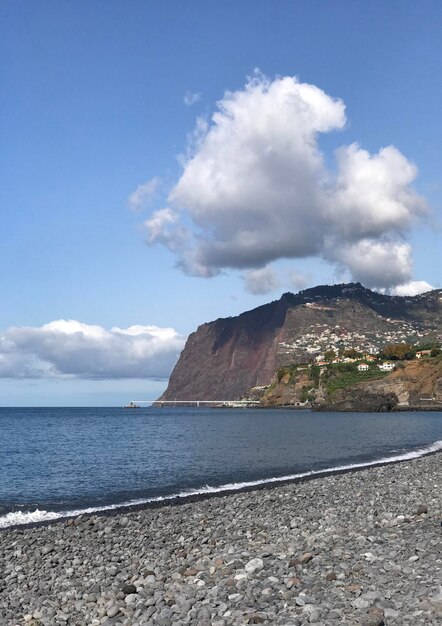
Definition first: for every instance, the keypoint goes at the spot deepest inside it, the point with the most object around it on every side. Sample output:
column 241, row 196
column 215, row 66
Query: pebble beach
column 358, row 548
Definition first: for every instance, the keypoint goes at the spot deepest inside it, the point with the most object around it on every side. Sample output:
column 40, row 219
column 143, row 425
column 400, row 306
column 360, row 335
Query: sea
column 57, row 462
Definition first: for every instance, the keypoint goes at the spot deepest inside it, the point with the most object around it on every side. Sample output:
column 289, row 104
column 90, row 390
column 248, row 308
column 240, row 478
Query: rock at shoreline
column 360, row 400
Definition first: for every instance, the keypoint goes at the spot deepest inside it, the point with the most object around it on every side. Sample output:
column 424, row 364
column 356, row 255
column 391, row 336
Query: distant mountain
column 223, row 359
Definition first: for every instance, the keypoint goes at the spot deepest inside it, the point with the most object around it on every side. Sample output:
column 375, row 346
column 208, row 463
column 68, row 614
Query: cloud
column 412, row 288
column 68, row 348
column 157, row 225
column 376, row 263
column 143, row 194
column 372, row 194
column 255, row 188
column 164, row 227
column 261, row 281
column 256, row 174
column 298, row 280
column 191, row 98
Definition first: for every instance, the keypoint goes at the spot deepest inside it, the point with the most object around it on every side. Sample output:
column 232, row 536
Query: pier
column 198, row 403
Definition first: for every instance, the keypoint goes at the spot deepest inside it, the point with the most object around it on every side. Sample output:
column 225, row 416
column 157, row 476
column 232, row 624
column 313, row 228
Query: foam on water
column 20, row 518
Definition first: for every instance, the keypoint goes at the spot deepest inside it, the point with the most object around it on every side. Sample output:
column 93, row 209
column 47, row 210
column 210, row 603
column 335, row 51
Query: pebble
column 360, row 548
column 305, row 558
column 112, row 611
column 254, row 565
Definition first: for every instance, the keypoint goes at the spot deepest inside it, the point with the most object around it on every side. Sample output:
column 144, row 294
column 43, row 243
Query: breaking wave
column 20, row 518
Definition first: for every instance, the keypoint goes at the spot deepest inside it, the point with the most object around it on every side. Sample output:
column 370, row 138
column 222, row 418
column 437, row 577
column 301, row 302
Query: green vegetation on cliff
column 342, row 386
column 332, row 377
column 341, row 376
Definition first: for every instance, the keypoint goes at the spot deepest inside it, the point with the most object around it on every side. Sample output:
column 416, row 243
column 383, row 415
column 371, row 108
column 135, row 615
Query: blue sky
column 93, row 107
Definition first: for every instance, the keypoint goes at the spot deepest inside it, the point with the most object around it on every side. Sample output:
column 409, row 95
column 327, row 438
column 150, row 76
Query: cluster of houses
column 321, row 337
column 385, row 366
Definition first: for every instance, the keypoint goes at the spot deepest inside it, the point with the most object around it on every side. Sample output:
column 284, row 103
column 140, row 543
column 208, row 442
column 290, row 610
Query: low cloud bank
column 68, row 348
column 413, row 288
column 255, row 188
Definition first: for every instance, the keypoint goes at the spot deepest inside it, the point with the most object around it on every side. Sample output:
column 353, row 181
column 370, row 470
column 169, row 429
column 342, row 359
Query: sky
column 164, row 164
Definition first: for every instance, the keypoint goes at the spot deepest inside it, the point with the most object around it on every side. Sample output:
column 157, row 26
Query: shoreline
column 221, row 491
column 348, row 548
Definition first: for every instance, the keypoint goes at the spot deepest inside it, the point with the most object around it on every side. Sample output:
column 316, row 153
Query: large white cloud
column 255, row 188
column 257, row 176
column 69, row 348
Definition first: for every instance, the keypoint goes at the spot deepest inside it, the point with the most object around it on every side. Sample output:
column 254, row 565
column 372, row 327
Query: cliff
column 223, row 359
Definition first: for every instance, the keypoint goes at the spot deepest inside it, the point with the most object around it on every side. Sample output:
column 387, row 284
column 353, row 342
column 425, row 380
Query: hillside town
column 322, row 339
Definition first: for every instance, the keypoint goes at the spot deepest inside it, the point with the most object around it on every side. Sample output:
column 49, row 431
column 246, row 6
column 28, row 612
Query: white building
column 387, row 366
column 362, row 367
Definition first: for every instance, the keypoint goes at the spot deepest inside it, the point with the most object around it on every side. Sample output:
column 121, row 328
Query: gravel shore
column 361, row 548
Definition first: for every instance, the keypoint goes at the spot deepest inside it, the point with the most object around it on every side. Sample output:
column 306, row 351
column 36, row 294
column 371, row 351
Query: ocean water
column 63, row 461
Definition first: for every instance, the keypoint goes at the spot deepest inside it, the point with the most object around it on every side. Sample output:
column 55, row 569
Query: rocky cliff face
column 223, row 359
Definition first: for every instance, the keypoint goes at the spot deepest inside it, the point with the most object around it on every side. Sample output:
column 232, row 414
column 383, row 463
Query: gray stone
column 112, row 611
column 254, row 565
column 305, row 558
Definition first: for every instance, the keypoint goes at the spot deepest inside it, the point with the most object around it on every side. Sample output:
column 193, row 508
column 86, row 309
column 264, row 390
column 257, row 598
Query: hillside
column 416, row 384
column 223, row 359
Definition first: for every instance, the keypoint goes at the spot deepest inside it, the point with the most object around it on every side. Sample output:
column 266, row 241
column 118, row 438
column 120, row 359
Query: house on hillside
column 422, row 353
column 388, row 366
column 362, row 367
